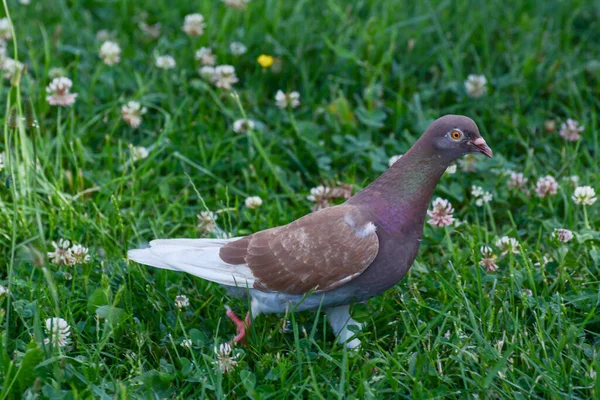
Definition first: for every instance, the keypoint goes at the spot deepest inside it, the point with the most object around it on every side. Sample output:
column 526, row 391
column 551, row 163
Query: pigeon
column 335, row 256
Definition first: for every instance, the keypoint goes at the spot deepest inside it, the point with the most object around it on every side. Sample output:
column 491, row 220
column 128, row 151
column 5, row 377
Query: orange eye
column 456, row 134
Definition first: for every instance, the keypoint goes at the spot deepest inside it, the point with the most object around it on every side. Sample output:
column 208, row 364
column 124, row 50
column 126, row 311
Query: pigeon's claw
column 241, row 326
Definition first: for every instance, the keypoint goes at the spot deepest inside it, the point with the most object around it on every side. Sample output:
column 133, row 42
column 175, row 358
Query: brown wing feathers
column 320, row 251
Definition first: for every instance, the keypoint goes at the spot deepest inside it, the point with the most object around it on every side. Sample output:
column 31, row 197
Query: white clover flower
column 476, row 85
column 238, row 4
column 243, row 125
column 585, row 195
column 546, row 186
column 517, row 181
column 5, row 31
column 59, row 92
column 165, row 62
column 563, row 235
column 59, row 331
column 102, row 35
column 150, row 31
column 3, row 292
column 61, row 254
column 1, row 161
column 486, row 251
column 253, row 202
column 237, row 48
column 489, row 259
column 508, row 245
column 193, row 24
column 110, row 53
column 205, row 56
column 139, row 153
column 79, row 254
column 132, row 113
column 186, row 343
column 393, row 159
column 284, row 100
column 207, row 221
column 207, row 73
column 441, row 214
column 11, row 68
column 224, row 77
column 182, row 301
column 451, row 169
column 486, row 197
column 226, row 361
column 570, row 129
column 25, row 2
column 57, row 73
column 477, row 191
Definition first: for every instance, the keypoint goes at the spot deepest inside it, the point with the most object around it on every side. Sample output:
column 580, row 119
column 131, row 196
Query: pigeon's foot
column 241, row 326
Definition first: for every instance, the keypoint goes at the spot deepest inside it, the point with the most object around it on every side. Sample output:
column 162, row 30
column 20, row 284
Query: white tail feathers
column 199, row 257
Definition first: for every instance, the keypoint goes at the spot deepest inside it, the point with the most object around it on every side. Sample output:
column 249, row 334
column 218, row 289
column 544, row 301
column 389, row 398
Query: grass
column 449, row 329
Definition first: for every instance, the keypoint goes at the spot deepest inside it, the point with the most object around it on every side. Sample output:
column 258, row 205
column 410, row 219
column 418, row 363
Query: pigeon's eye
column 456, row 134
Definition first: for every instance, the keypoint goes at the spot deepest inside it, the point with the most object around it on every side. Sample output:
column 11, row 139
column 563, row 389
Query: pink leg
column 241, row 325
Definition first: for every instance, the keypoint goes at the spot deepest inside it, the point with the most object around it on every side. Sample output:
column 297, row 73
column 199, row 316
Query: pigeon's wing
column 320, row 251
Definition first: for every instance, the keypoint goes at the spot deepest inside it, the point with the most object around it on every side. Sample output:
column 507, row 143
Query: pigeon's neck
column 407, row 185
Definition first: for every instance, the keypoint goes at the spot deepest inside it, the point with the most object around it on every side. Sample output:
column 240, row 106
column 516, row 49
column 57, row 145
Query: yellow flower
column 265, row 61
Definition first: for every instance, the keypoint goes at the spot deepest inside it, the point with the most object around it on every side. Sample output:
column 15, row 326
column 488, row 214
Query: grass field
column 371, row 76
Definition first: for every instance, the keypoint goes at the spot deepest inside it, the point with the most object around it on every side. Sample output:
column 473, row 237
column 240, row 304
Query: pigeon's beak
column 482, row 147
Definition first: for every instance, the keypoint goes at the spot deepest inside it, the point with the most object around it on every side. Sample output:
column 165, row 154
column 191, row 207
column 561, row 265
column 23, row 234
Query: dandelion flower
column 186, row 343
column 284, row 100
column 570, row 129
column 182, row 301
column 224, row 77
column 393, row 159
column 265, row 61
column 11, row 68
column 226, row 361
column 563, row 235
column 585, row 195
column 253, row 202
column 476, row 86
column 193, row 24
column 132, row 113
column 517, row 181
column 110, row 53
column 79, row 254
column 205, row 56
column 5, row 31
column 59, row 91
column 139, row 153
column 546, row 186
column 59, row 331
column 165, row 62
column 243, row 125
column 441, row 214
column 237, row 48
column 238, row 4
column 508, row 245
column 207, row 221
column 61, row 254
column 489, row 259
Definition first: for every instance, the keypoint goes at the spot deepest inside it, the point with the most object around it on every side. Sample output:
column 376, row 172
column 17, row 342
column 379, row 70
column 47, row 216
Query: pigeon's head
column 453, row 136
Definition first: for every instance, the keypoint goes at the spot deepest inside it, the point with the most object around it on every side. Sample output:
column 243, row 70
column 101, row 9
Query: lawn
column 502, row 303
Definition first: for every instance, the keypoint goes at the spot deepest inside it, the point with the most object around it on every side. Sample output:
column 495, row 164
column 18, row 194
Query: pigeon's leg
column 240, row 337
column 340, row 320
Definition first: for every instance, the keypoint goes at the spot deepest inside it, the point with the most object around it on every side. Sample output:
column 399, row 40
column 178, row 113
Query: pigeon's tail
column 199, row 257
